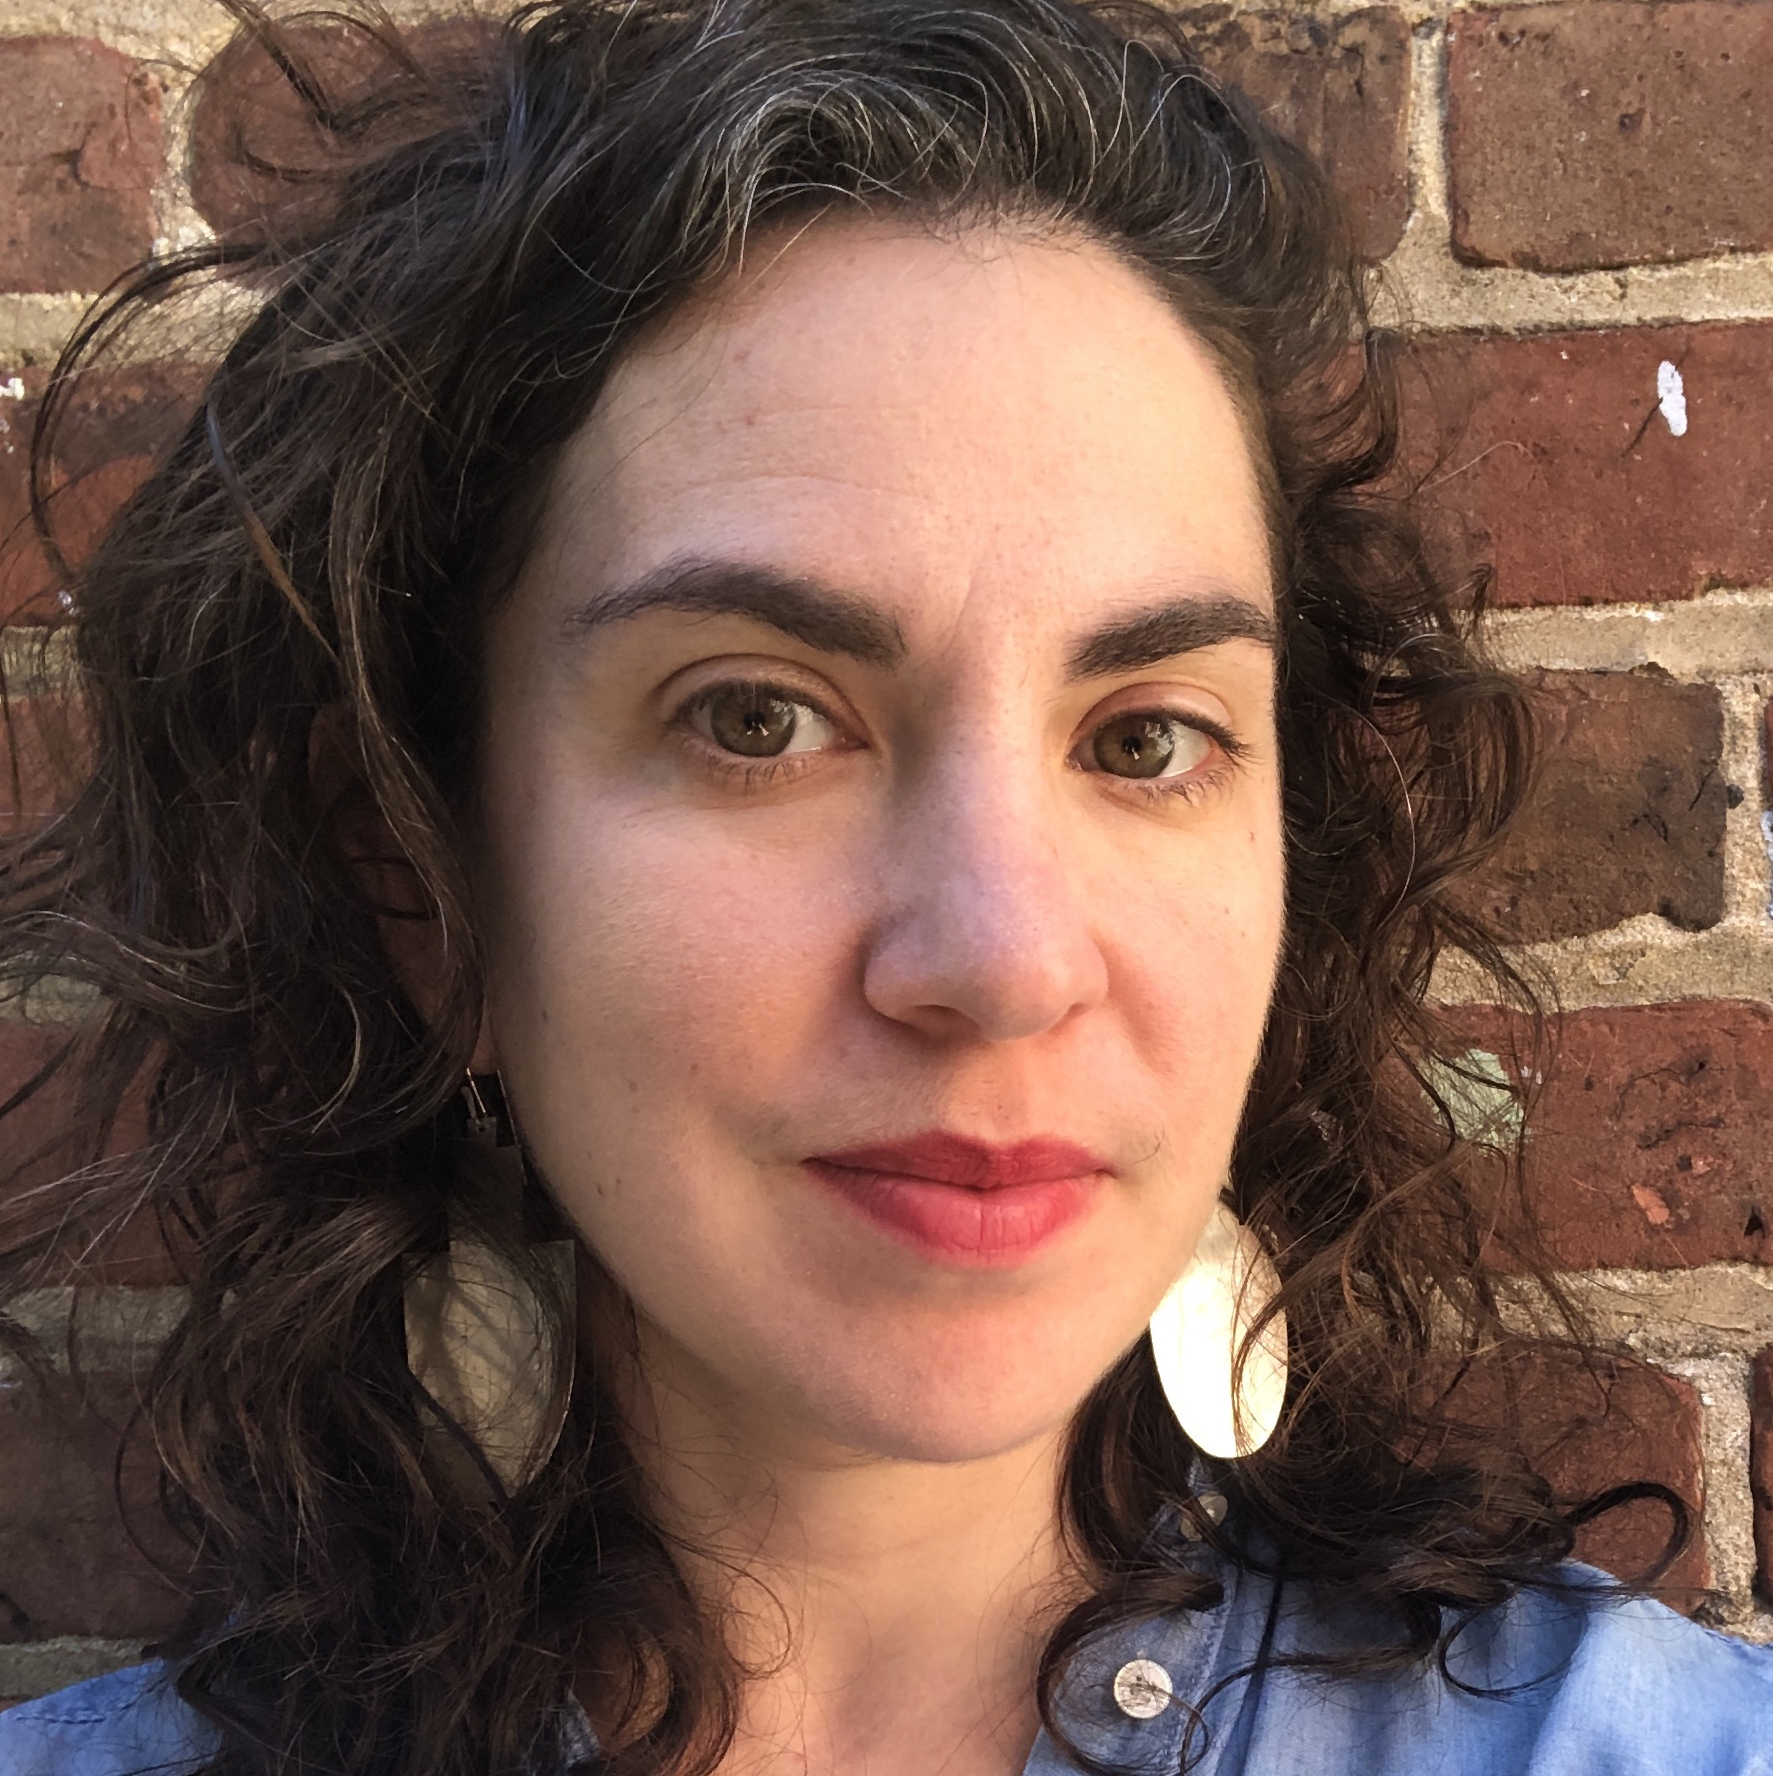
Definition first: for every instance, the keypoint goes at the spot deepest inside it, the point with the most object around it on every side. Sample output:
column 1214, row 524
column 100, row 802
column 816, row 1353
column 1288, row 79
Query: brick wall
column 1574, row 207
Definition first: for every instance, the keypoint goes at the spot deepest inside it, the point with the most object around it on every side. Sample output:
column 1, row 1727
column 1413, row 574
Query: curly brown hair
column 491, row 215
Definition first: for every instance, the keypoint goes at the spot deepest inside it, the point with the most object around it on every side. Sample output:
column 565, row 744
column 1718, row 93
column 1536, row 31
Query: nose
column 983, row 933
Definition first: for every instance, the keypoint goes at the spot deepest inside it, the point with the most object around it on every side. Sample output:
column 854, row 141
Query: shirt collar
column 577, row 1741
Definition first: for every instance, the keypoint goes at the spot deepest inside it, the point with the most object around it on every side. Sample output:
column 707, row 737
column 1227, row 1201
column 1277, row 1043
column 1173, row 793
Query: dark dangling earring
column 479, row 1339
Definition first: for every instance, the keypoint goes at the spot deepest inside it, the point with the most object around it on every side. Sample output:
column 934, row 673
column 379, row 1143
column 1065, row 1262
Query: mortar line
column 1426, row 131
column 1415, row 12
column 35, row 1667
column 177, row 223
column 1722, row 1382
column 1689, row 638
column 1748, row 870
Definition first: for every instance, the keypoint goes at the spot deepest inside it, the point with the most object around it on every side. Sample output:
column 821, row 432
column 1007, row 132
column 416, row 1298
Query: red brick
column 42, row 753
column 1609, row 133
column 24, row 1050
column 1340, row 87
column 1627, row 814
column 80, row 151
column 1589, row 1427
column 260, row 165
column 1547, row 457
column 1647, row 1147
column 69, row 1563
column 30, row 1154
column 118, row 423
column 249, row 120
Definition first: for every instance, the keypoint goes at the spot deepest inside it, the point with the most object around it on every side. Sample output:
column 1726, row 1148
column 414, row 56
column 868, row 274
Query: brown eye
column 760, row 721
column 1148, row 746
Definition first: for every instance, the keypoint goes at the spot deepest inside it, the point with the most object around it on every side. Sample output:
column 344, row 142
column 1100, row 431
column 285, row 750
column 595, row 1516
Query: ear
column 406, row 915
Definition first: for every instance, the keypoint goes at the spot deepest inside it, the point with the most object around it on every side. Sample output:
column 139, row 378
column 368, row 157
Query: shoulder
column 1650, row 1688
column 126, row 1723
column 1581, row 1629
column 1567, row 1680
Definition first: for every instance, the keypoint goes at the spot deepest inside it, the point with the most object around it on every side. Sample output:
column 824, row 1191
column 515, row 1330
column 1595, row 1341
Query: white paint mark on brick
column 1671, row 397
column 12, row 389
column 1480, row 1097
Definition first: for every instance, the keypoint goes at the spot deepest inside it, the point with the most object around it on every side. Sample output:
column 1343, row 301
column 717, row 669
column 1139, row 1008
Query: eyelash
column 758, row 774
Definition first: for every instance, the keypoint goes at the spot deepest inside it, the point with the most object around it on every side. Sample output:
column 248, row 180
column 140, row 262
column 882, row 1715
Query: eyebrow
column 820, row 616
column 832, row 621
column 1180, row 626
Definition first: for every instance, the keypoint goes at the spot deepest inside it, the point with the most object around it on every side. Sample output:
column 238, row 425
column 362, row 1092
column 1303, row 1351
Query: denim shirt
column 1580, row 1684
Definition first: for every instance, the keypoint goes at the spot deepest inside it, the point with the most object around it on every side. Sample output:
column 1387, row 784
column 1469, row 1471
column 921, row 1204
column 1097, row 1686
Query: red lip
column 962, row 1201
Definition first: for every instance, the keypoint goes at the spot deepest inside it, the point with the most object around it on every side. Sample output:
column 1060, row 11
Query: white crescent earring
column 480, row 1341
column 1199, row 1329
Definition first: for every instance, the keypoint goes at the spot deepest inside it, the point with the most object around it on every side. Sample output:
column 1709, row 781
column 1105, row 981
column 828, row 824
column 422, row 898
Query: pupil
column 1136, row 746
column 751, row 722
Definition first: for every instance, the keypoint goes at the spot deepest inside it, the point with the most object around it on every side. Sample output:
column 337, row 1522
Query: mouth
column 966, row 1202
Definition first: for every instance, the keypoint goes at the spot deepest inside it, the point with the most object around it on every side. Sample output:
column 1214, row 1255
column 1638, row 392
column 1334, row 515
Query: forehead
column 923, row 416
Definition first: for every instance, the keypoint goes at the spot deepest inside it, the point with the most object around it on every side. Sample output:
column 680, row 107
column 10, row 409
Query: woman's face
column 883, row 862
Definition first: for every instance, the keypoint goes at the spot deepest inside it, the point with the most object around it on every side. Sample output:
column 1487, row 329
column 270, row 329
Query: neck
column 890, row 1611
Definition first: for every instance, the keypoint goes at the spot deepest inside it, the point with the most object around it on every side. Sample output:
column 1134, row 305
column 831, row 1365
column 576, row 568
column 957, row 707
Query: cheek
column 653, row 968
column 1194, row 942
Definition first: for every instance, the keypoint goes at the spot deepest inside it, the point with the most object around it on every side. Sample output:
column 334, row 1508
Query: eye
column 760, row 721
column 1141, row 744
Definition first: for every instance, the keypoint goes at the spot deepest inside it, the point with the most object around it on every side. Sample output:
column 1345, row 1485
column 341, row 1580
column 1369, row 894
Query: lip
column 962, row 1201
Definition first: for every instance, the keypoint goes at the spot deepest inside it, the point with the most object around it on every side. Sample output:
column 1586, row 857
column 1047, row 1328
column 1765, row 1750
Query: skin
column 937, row 912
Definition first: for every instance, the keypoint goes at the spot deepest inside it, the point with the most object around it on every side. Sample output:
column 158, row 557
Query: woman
column 798, row 593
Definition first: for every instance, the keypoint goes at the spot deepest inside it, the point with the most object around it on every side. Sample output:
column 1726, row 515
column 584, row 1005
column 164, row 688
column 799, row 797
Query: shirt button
column 1210, row 1505
column 1142, row 1689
